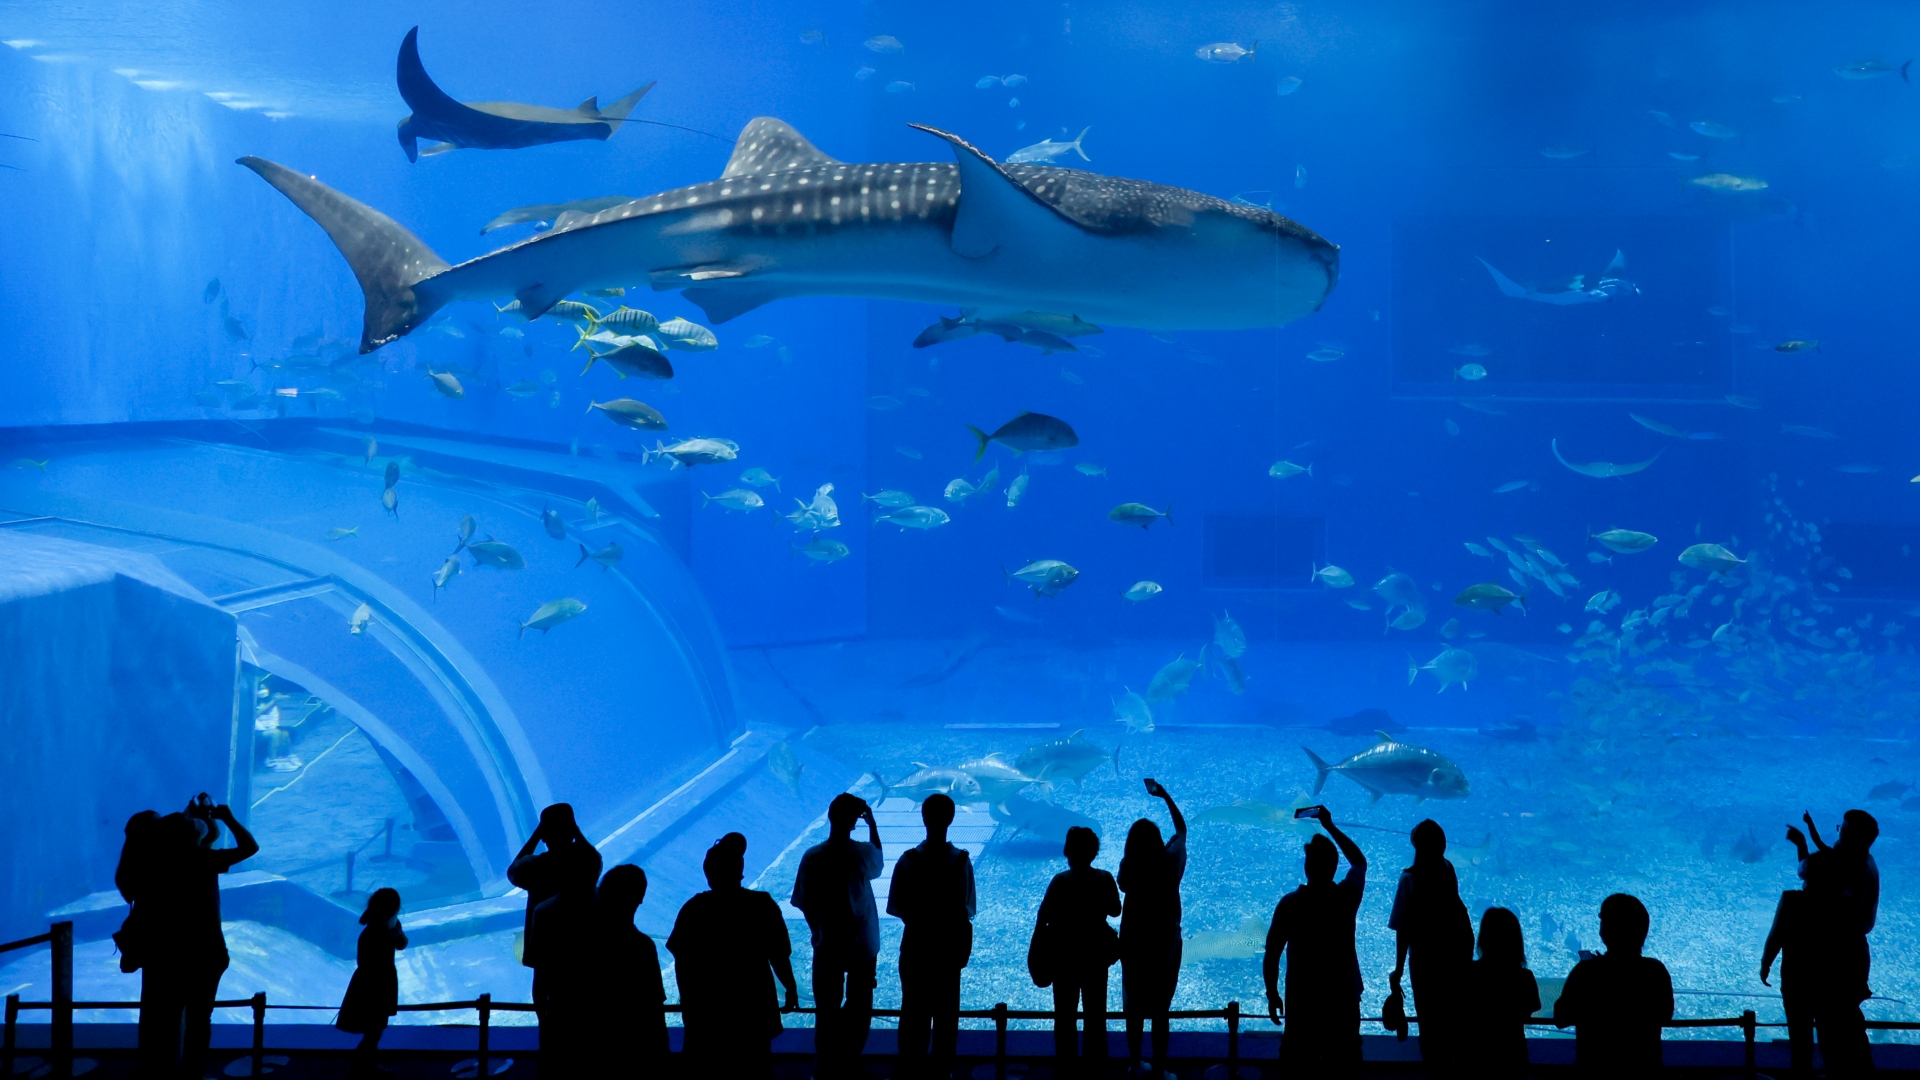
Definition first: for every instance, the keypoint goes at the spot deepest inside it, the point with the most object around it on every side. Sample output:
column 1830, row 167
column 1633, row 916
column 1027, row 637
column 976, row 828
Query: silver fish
column 1396, row 768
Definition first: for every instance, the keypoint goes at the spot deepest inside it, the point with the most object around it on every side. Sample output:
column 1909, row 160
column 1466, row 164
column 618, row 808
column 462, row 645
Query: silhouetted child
column 1616, row 1002
column 374, row 993
column 1786, row 940
column 1505, row 997
column 631, row 997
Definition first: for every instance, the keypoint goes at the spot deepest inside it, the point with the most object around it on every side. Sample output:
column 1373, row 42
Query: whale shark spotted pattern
column 786, row 220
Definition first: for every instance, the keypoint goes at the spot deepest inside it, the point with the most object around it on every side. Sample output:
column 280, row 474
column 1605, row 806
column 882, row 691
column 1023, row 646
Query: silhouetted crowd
column 601, row 1000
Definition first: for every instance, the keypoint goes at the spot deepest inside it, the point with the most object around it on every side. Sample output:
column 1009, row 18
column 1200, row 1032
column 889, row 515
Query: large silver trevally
column 1071, row 758
column 927, row 780
column 998, row 776
column 1046, row 577
column 1040, row 819
column 784, row 220
column 1396, row 768
column 1174, row 679
column 1228, row 637
column 1451, row 666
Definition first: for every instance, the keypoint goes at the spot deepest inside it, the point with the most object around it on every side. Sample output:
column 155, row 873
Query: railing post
column 999, row 1036
column 6, row 1041
column 485, row 1005
column 1233, row 1040
column 259, row 1030
column 63, row 999
column 1748, row 1026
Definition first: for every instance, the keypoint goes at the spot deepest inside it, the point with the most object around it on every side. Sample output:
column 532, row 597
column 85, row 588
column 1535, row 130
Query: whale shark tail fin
column 389, row 261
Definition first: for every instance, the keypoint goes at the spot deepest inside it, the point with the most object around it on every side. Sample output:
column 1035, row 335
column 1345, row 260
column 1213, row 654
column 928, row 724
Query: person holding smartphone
column 1150, row 873
column 1314, row 927
column 834, row 889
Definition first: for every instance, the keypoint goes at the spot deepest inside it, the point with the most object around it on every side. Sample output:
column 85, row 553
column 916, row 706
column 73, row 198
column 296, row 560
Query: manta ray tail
column 389, row 261
column 1322, row 769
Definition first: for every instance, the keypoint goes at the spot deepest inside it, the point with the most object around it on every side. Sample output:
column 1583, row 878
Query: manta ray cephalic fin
column 994, row 207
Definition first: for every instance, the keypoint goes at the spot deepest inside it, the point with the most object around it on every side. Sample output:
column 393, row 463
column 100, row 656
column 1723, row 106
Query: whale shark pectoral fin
column 995, row 209
column 536, row 300
column 770, row 145
column 731, row 301
column 394, row 267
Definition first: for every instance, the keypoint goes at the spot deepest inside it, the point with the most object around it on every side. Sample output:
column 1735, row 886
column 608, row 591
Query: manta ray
column 493, row 125
column 1604, row 470
column 1611, row 285
column 786, row 220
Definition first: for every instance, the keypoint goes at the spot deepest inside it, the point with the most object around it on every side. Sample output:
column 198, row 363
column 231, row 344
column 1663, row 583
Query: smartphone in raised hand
column 1307, row 812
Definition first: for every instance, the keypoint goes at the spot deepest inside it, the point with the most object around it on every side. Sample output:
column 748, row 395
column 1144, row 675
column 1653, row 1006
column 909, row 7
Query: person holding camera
column 834, row 889
column 1314, row 926
column 183, row 951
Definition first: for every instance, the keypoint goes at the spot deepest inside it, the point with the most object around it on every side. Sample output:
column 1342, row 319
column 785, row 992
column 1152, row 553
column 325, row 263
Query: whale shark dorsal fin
column 769, row 145
column 995, row 209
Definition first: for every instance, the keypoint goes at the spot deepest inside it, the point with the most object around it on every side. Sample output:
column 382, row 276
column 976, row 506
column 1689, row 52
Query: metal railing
column 60, row 937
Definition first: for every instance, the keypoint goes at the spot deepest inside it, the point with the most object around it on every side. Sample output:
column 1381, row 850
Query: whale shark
column 785, row 220
column 493, row 125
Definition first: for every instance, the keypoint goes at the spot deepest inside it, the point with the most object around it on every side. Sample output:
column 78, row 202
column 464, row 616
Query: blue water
column 1721, row 180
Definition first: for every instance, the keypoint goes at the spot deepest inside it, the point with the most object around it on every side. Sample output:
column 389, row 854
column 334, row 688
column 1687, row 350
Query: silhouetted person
column 1616, row 1002
column 373, row 995
column 1080, row 945
column 834, row 889
column 724, row 942
column 1313, row 927
column 1842, row 885
column 932, row 893
column 559, row 883
column 134, row 876
column 1434, row 932
column 1150, row 873
column 1503, row 996
column 186, row 951
column 1787, row 941
column 629, row 997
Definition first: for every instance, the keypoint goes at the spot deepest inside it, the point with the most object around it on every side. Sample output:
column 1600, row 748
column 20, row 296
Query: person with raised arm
column 1313, row 928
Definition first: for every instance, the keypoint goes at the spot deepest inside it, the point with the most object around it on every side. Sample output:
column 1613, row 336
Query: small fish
column 211, row 293
column 987, row 82
column 735, row 499
column 235, row 329
column 393, row 473
column 1711, row 557
column 1729, row 184
column 823, row 549
column 1325, row 356
column 884, row 402
column 863, row 73
column 1283, row 470
column 606, row 556
column 1470, row 372
column 1014, row 80
column 915, row 517
column 1332, row 577
column 625, row 320
column 890, row 499
column 1028, row 431
column 467, row 527
column 495, row 553
column 812, row 37
column 1476, row 549
column 821, row 513
column 1016, row 490
column 391, row 501
column 629, row 413
column 1625, row 541
column 1046, row 151
column 1046, row 577
column 357, row 622
column 687, row 336
column 1859, row 69
column 550, row 520
column 690, row 452
column 1450, row 666
column 1490, row 597
column 1072, row 378
column 340, row 533
column 1226, row 52
column 1857, row 469
column 1665, row 119
column 1796, row 346
column 552, row 614
column 1140, row 514
column 759, row 341
column 1087, row 468
column 1713, row 130
column 445, row 383
column 28, row 463
column 445, row 574
column 1450, row 630
column 1174, row 679
column 1228, row 637
column 899, row 86
column 1603, row 601
column 1143, row 590
column 1596, row 558
column 1288, row 85
column 907, row 452
column 884, row 43
column 1507, row 488
column 761, row 478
